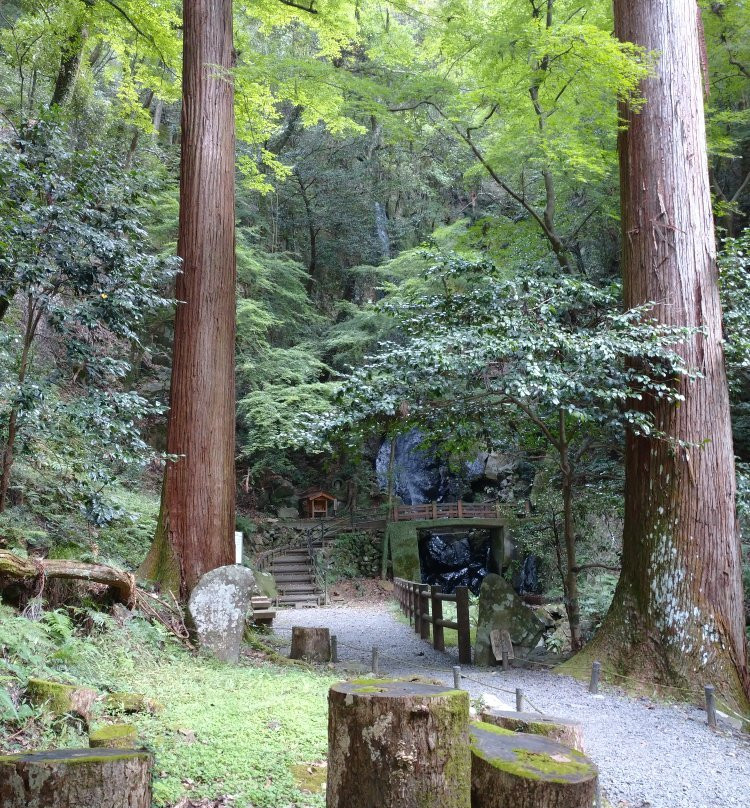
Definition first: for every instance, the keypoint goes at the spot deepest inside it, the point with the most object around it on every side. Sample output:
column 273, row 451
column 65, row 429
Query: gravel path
column 649, row 754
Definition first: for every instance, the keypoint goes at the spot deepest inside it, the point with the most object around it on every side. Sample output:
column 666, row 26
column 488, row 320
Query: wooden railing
column 423, row 605
column 447, row 510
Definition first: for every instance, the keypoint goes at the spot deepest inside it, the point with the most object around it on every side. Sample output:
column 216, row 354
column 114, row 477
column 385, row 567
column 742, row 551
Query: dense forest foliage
column 415, row 182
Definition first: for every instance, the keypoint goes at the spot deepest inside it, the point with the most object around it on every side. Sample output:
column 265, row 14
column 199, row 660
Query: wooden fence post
column 464, row 625
column 596, row 669
column 417, row 608
column 438, row 632
column 424, row 609
column 710, row 705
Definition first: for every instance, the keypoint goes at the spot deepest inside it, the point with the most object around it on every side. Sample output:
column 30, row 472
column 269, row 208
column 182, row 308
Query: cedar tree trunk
column 195, row 533
column 677, row 617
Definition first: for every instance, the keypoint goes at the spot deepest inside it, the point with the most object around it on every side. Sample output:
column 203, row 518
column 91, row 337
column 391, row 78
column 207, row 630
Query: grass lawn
column 249, row 731
column 232, row 730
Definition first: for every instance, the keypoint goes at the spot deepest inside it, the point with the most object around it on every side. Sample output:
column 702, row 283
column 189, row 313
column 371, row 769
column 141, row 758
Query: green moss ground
column 223, row 730
column 233, row 731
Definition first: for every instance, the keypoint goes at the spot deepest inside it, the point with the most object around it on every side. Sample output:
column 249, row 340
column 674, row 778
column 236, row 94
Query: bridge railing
column 423, row 605
column 447, row 510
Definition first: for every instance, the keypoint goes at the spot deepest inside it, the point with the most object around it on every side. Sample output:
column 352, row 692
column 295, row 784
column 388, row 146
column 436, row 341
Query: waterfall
column 381, row 229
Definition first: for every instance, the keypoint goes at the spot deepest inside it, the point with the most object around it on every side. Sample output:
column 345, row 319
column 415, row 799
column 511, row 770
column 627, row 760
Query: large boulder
column 501, row 608
column 218, row 606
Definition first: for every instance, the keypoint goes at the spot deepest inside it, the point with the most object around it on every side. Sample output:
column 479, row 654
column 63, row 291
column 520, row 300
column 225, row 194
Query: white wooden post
column 238, row 546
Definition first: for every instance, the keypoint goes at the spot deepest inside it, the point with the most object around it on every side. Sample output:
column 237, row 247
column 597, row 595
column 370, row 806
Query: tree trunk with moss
column 63, row 778
column 195, row 532
column 561, row 730
column 397, row 744
column 677, row 614
column 527, row 771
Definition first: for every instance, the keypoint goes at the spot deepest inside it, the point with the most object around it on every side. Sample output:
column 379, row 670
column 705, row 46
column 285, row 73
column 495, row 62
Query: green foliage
column 73, row 250
column 477, row 348
column 353, row 555
column 205, row 748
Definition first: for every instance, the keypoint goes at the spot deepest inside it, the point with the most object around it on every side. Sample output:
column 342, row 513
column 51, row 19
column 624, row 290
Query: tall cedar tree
column 196, row 523
column 677, row 616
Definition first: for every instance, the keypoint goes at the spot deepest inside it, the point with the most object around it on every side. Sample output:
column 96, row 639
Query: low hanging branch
column 121, row 582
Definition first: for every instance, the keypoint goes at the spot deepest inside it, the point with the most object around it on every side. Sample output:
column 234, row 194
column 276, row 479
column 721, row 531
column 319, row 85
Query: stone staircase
column 294, row 572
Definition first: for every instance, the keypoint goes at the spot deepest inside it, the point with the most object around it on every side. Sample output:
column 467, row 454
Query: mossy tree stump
column 114, row 736
column 311, row 644
column 61, row 699
column 63, row 778
column 527, row 771
column 568, row 733
column 398, row 744
column 131, row 703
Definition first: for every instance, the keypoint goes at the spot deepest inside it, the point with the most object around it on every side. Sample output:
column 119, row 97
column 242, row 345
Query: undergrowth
column 237, row 731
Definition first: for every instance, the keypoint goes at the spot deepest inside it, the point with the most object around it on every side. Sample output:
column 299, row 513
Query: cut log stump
column 61, row 699
column 311, row 644
column 527, row 771
column 62, row 778
column 568, row 733
column 114, row 736
column 398, row 744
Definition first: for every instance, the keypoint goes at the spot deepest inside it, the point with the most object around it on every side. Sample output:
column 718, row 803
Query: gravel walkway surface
column 649, row 754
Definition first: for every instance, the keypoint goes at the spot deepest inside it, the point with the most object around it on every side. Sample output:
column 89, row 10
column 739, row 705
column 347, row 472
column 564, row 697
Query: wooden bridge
column 447, row 510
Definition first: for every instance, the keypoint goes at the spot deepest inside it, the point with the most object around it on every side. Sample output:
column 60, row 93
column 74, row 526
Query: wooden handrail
column 446, row 510
column 423, row 605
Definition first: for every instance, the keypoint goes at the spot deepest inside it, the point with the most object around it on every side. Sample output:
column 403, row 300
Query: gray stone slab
column 218, row 606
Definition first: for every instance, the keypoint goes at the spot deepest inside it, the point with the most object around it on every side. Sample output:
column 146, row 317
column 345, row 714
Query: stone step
column 292, row 589
column 298, row 600
column 295, row 578
column 291, row 568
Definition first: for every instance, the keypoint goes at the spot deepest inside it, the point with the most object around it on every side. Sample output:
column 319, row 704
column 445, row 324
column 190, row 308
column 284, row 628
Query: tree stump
column 568, row 733
column 63, row 778
column 61, row 699
column 311, row 644
column 398, row 744
column 114, row 736
column 527, row 771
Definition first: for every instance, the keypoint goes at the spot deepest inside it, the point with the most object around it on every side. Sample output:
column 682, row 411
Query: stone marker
column 500, row 640
column 527, row 771
column 217, row 608
column 398, row 744
column 500, row 609
column 76, row 778
column 562, row 730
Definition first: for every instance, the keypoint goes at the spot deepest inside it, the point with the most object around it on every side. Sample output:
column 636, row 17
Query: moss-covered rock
column 500, row 608
column 61, row 699
column 114, row 736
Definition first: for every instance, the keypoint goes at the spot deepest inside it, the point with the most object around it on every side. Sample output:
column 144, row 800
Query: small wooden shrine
column 318, row 504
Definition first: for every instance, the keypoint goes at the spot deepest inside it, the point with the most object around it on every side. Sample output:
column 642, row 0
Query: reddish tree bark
column 196, row 525
column 677, row 616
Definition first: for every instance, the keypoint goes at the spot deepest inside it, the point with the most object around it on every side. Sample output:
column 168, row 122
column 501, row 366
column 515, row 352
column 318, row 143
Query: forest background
column 381, row 148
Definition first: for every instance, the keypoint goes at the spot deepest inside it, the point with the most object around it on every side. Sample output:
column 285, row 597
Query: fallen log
column 122, row 583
